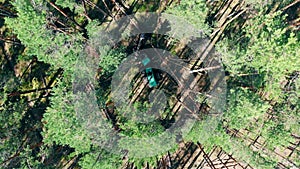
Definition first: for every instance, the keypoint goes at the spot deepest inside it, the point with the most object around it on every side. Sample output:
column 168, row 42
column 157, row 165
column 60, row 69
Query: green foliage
column 192, row 11
column 58, row 49
column 70, row 4
column 199, row 133
column 11, row 113
column 143, row 138
column 276, row 134
column 244, row 107
column 142, row 162
column 264, row 5
column 132, row 127
column 218, row 137
column 111, row 60
column 93, row 28
column 148, row 149
column 263, row 58
column 271, row 50
column 61, row 125
column 289, row 112
column 98, row 158
column 242, row 152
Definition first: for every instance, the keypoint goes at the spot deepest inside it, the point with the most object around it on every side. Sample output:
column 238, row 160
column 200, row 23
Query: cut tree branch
column 205, row 69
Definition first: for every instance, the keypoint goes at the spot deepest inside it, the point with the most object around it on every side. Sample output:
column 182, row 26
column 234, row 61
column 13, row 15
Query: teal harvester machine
column 149, row 73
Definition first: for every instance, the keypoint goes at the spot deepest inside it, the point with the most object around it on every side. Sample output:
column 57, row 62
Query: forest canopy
column 43, row 43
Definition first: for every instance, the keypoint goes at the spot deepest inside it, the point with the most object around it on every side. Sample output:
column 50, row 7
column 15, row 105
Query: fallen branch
column 65, row 15
column 290, row 5
column 205, row 69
